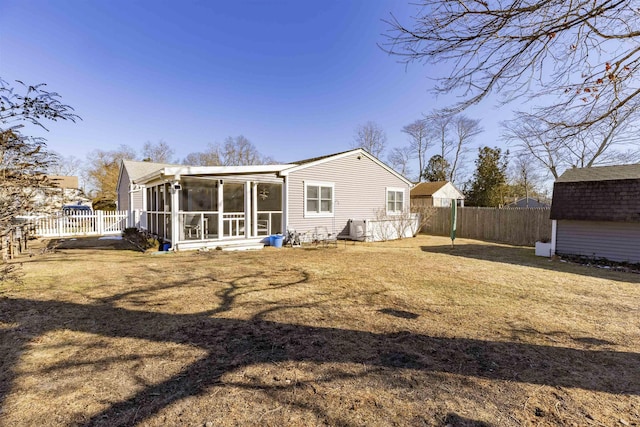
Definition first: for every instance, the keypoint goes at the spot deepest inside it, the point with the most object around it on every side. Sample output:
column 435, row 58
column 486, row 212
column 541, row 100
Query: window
column 395, row 200
column 318, row 199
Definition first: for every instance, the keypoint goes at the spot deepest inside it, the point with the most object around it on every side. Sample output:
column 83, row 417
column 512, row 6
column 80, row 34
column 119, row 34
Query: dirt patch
column 108, row 242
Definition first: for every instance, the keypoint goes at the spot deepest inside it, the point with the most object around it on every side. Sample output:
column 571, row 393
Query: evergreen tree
column 489, row 179
column 437, row 169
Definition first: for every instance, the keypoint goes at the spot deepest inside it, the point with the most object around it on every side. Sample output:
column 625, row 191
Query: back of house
column 325, row 193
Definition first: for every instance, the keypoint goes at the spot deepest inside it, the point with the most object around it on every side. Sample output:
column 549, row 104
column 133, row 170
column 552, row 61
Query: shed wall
column 359, row 191
column 616, row 241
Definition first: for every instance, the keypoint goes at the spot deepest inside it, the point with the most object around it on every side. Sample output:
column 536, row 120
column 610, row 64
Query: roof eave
column 360, row 151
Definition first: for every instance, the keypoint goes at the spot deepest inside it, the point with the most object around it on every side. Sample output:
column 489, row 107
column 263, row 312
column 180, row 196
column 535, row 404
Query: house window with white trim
column 318, row 198
column 395, row 200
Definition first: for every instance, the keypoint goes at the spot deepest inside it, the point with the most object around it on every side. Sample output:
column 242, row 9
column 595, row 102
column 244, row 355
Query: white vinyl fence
column 96, row 223
column 391, row 228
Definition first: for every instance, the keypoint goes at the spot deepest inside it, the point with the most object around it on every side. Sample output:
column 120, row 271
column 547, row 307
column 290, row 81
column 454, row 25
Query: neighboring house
column 596, row 213
column 65, row 190
column 528, row 202
column 210, row 206
column 130, row 195
column 438, row 194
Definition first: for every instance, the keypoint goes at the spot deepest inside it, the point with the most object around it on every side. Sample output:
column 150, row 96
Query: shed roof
column 601, row 173
column 428, row 189
column 606, row 193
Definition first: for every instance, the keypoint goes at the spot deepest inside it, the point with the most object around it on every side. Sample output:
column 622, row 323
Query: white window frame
column 386, row 200
column 319, row 214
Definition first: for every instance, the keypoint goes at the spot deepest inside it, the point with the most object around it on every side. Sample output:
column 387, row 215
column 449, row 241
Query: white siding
column 360, row 190
column 448, row 192
column 616, row 241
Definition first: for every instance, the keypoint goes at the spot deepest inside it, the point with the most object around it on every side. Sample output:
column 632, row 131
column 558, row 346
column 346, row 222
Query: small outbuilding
column 596, row 213
column 438, row 194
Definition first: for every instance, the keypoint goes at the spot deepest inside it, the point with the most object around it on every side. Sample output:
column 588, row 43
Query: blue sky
column 295, row 77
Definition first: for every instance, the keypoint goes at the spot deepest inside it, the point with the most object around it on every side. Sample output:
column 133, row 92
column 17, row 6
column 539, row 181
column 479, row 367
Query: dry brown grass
column 399, row 333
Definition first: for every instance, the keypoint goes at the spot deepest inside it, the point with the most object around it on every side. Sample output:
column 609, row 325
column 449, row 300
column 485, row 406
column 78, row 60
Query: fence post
column 60, row 225
column 100, row 222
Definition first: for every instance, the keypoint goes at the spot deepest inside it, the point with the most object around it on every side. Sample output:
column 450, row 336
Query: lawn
column 410, row 332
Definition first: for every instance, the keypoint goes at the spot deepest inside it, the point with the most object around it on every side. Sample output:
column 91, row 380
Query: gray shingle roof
column 601, row 173
column 139, row 169
column 607, row 193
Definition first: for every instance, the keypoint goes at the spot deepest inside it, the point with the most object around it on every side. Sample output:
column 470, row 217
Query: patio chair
column 192, row 226
column 324, row 238
column 263, row 227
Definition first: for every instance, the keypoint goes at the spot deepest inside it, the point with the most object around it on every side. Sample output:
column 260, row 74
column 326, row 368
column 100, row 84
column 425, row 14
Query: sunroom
column 211, row 206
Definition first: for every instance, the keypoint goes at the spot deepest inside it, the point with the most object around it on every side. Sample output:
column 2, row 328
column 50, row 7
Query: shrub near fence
column 516, row 226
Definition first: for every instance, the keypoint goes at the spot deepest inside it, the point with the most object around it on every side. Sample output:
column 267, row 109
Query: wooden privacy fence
column 516, row 226
column 99, row 223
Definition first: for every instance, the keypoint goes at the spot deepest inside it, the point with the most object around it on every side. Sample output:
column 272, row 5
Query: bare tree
column 102, row 171
column 370, row 137
column 159, row 152
column 531, row 136
column 464, row 132
column 419, row 142
column 399, row 159
column 525, row 176
column 453, row 136
column 239, row 151
column 209, row 157
column 236, row 151
column 64, row 165
column 575, row 62
column 24, row 159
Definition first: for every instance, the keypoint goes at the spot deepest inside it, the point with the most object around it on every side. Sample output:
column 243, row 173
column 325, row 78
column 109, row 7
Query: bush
column 100, row 204
column 141, row 239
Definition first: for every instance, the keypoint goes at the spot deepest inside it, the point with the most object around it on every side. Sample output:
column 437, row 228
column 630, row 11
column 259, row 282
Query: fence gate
column 96, row 223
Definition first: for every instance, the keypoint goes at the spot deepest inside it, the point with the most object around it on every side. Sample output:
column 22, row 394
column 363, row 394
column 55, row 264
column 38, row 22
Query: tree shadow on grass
column 230, row 344
column 525, row 256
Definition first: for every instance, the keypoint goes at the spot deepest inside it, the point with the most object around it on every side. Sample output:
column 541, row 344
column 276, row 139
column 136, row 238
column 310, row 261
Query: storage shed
column 438, row 194
column 596, row 213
